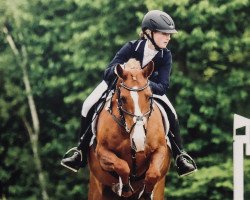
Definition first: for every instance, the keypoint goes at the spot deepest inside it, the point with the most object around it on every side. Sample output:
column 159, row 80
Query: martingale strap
column 134, row 167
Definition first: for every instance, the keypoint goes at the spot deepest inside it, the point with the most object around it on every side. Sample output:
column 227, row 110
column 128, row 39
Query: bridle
column 122, row 111
column 138, row 120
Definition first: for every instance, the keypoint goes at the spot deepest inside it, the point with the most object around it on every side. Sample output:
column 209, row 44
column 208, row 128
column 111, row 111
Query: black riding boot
column 184, row 163
column 79, row 157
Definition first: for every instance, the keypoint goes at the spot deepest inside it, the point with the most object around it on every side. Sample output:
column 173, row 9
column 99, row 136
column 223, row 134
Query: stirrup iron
column 73, row 149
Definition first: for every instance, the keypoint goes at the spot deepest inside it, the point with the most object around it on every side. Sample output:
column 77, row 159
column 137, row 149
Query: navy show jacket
column 159, row 80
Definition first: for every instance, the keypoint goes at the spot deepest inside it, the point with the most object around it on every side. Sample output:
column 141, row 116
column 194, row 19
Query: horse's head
column 135, row 99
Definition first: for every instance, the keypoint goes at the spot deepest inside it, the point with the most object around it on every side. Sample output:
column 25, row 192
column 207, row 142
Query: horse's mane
column 132, row 64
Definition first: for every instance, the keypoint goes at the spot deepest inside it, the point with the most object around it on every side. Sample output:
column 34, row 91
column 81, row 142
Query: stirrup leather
column 75, row 150
column 184, row 154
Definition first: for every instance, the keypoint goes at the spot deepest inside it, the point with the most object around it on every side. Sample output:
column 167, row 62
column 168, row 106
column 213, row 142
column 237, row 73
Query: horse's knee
column 110, row 162
column 122, row 168
column 152, row 177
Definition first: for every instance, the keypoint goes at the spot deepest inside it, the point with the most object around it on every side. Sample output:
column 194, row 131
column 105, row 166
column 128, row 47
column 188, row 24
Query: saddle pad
column 107, row 105
column 165, row 121
column 94, row 118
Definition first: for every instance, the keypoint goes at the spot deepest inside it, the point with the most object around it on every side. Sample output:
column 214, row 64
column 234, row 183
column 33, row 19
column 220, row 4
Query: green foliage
column 69, row 44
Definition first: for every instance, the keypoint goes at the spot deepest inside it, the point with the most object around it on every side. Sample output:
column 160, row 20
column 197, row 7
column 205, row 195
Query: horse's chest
column 124, row 152
column 120, row 145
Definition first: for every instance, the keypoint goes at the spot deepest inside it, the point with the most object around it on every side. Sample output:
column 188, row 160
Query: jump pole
column 240, row 141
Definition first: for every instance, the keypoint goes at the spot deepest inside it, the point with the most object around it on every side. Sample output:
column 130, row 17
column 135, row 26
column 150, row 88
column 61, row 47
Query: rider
column 157, row 27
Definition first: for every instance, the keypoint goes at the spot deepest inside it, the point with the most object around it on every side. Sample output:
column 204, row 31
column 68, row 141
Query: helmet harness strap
column 152, row 40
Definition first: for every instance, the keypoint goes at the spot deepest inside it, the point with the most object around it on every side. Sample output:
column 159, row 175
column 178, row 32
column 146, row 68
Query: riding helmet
column 156, row 20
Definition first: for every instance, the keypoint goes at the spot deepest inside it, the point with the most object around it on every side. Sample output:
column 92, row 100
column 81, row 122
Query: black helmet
column 156, row 20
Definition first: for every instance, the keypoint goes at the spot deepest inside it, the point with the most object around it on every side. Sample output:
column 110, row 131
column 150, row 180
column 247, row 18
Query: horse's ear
column 148, row 70
column 120, row 72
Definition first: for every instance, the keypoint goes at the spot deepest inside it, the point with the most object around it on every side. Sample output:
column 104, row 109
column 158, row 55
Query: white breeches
column 101, row 88
column 166, row 100
column 93, row 98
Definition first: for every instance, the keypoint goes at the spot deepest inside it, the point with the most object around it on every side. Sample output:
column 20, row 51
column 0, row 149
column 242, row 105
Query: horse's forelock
column 133, row 64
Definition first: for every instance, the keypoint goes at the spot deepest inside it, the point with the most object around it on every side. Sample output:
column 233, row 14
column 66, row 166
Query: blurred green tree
column 68, row 45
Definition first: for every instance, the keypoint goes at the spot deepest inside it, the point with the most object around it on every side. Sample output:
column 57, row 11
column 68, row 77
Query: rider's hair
column 142, row 34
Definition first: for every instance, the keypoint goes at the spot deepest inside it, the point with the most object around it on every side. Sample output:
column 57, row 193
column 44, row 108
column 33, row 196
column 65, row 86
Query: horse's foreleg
column 110, row 162
column 157, row 169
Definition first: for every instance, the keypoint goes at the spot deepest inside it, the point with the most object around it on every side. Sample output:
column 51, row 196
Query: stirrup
column 64, row 157
column 75, row 150
column 184, row 154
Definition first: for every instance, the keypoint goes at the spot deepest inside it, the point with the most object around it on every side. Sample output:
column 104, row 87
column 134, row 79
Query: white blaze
column 138, row 134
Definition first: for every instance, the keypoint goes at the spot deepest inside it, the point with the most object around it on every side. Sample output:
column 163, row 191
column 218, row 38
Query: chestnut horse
column 131, row 157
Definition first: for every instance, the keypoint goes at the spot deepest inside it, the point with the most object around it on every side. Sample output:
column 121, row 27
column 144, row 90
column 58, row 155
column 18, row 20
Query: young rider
column 157, row 27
